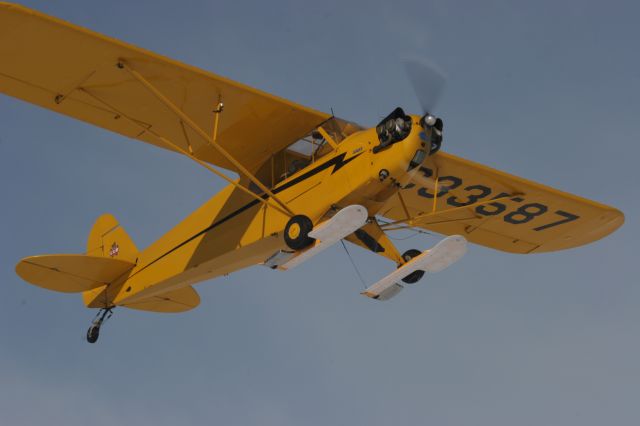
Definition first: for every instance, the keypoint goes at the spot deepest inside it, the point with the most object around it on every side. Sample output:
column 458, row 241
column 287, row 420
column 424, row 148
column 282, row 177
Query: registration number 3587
column 474, row 194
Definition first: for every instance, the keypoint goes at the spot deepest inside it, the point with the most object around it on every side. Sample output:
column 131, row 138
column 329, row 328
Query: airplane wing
column 497, row 209
column 80, row 73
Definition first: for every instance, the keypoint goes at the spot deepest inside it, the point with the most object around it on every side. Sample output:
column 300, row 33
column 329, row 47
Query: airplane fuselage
column 233, row 230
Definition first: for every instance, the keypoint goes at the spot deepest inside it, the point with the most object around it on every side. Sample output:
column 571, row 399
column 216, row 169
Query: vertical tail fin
column 108, row 239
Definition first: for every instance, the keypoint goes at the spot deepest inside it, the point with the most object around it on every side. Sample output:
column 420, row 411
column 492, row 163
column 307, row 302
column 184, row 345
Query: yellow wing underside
column 73, row 71
column 496, row 209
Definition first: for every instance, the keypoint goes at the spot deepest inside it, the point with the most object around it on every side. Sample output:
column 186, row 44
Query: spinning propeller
column 428, row 84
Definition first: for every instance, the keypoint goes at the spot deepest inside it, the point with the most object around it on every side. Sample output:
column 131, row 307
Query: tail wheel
column 296, row 233
column 93, row 333
column 415, row 276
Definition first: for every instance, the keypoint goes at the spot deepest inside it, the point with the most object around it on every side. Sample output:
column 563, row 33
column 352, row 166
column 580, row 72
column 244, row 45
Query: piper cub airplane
column 306, row 178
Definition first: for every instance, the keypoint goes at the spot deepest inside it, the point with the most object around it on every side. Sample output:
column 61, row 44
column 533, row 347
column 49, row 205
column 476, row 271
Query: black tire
column 415, row 276
column 93, row 333
column 296, row 233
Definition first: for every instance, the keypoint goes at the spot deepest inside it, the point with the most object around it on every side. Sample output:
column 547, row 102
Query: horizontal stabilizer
column 181, row 300
column 71, row 273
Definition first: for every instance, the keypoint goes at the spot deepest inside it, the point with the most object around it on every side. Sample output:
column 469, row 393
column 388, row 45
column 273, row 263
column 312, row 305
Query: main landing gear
column 415, row 276
column 296, row 233
column 94, row 331
column 439, row 257
column 300, row 233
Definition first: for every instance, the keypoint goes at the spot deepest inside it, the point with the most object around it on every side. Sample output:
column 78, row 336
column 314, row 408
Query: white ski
column 345, row 222
column 441, row 256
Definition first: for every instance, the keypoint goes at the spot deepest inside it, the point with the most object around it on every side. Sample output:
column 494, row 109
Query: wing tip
column 609, row 222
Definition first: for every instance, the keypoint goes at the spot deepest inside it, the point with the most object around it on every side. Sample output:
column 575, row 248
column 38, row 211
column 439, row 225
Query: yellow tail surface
column 71, row 273
column 108, row 239
column 110, row 255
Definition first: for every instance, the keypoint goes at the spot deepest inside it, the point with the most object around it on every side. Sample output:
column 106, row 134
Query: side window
column 303, row 152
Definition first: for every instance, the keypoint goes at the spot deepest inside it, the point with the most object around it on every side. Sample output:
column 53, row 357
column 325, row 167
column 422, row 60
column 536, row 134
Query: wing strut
column 188, row 154
column 412, row 220
column 185, row 118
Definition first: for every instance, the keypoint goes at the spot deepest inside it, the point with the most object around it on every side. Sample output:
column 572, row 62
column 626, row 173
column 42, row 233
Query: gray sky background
column 547, row 90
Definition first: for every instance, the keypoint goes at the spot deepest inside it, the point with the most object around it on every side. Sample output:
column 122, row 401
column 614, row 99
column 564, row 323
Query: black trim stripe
column 337, row 162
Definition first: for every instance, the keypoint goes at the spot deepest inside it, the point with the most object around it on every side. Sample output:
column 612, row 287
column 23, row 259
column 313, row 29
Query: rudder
column 108, row 239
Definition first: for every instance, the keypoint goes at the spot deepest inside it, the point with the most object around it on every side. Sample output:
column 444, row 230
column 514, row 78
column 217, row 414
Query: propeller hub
column 429, row 120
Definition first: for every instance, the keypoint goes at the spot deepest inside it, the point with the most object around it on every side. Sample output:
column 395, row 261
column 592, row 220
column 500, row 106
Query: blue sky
column 547, row 90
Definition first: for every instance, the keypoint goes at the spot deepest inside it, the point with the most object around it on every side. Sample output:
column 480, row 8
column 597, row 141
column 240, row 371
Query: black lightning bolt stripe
column 337, row 162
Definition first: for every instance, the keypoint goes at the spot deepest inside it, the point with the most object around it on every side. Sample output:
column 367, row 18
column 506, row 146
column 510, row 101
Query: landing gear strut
column 94, row 331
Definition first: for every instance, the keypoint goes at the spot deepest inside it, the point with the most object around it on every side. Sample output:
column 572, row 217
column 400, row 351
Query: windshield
column 339, row 129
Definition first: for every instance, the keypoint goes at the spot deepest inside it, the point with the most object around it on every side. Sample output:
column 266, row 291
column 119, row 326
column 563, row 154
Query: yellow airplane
column 306, row 178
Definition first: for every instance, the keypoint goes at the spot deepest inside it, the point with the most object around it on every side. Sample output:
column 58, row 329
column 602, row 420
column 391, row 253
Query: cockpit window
column 308, row 145
column 304, row 151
